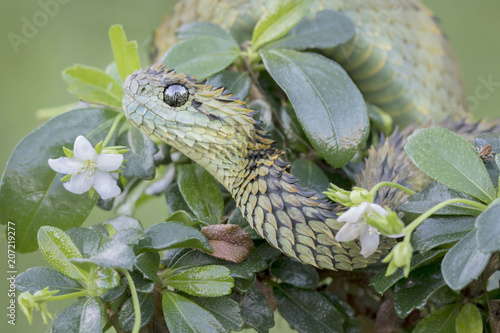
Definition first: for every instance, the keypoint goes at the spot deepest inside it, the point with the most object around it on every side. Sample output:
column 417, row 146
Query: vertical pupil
column 176, row 95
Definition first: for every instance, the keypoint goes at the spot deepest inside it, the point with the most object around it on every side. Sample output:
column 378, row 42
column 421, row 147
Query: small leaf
column 130, row 236
column 172, row 235
column 125, row 53
column 141, row 284
column 113, row 254
column 229, row 241
column 200, row 29
column 175, row 200
column 183, row 217
column 148, row 264
column 68, row 321
column 91, row 317
column 37, row 278
column 121, row 222
column 207, row 281
column 351, row 323
column 380, row 119
column 451, row 160
column 201, row 192
column 278, row 20
column 469, row 320
column 86, row 240
column 255, row 311
column 488, row 228
column 201, row 56
column 293, row 272
column 322, row 95
column 464, row 262
column 223, row 308
column 300, row 308
column 310, row 176
column 440, row 321
column 126, row 316
column 183, row 315
column 413, row 292
column 237, row 83
column 140, row 160
column 93, row 85
column 326, row 30
column 101, row 280
column 58, row 248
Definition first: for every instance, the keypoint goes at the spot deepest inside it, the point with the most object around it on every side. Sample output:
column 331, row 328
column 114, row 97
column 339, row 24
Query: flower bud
column 389, row 224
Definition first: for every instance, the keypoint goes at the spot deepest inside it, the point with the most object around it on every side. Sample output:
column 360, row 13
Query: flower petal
column 369, row 241
column 348, row 232
column 109, row 162
column 354, row 214
column 105, row 185
column 378, row 209
column 83, row 150
column 79, row 183
column 65, row 165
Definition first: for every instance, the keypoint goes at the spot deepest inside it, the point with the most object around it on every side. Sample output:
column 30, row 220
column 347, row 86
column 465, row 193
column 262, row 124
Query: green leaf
column 148, row 264
column 68, row 321
column 278, row 20
column 238, row 219
column 440, row 321
column 121, row 222
column 86, row 240
column 255, row 311
column 437, row 231
column 91, row 316
column 201, row 192
column 31, row 194
column 201, row 56
column 488, row 228
column 300, row 308
column 183, row 217
column 125, row 53
column 435, row 193
column 310, row 175
column 293, row 272
column 451, row 160
column 58, row 248
column 464, row 262
column 183, row 315
column 380, row 119
column 469, row 320
column 413, row 292
column 130, row 236
column 93, row 85
column 207, row 281
column 126, row 316
column 326, row 30
column 175, row 200
column 101, row 280
column 114, row 294
column 140, row 160
column 172, row 235
column 113, row 254
column 381, row 282
column 237, row 83
column 224, row 309
column 351, row 323
column 202, row 29
column 37, row 278
column 328, row 104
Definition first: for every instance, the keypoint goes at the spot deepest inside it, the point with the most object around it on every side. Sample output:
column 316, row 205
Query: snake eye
column 176, row 95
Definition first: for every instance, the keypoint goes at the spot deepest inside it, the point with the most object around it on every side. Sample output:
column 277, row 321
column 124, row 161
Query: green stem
column 391, row 184
column 67, row 296
column 135, row 299
column 112, row 130
column 410, row 227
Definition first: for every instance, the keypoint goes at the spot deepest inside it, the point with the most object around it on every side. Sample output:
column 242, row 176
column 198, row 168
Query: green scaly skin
column 219, row 133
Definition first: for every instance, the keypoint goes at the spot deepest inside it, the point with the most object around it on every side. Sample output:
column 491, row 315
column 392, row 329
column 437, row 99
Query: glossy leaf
column 237, row 83
column 141, row 284
column 351, row 323
column 293, row 272
column 200, row 29
column 172, row 235
column 440, row 321
column 101, row 280
column 58, row 248
column 140, row 160
column 130, row 236
column 125, row 53
column 322, row 95
column 184, row 315
column 93, row 85
column 464, row 262
column 413, row 292
column 451, row 160
column 113, row 254
column 380, row 119
column 31, row 194
column 435, row 193
column 206, row 281
column 175, row 200
column 381, row 282
column 326, row 30
column 310, row 176
column 126, row 316
column 437, row 231
column 86, row 240
column 469, row 320
column 201, row 192
column 201, row 56
column 223, row 308
column 148, row 264
column 68, row 321
column 278, row 20
column 184, row 217
column 122, row 222
column 488, row 228
column 255, row 311
column 300, row 308
column 91, row 316
column 37, row 278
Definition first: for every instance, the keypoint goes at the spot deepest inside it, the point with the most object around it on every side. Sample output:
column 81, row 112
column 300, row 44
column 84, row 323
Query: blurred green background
column 78, row 33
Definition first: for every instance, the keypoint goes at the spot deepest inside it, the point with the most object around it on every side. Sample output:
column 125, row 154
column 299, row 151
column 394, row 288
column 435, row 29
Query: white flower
column 355, row 226
column 89, row 169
